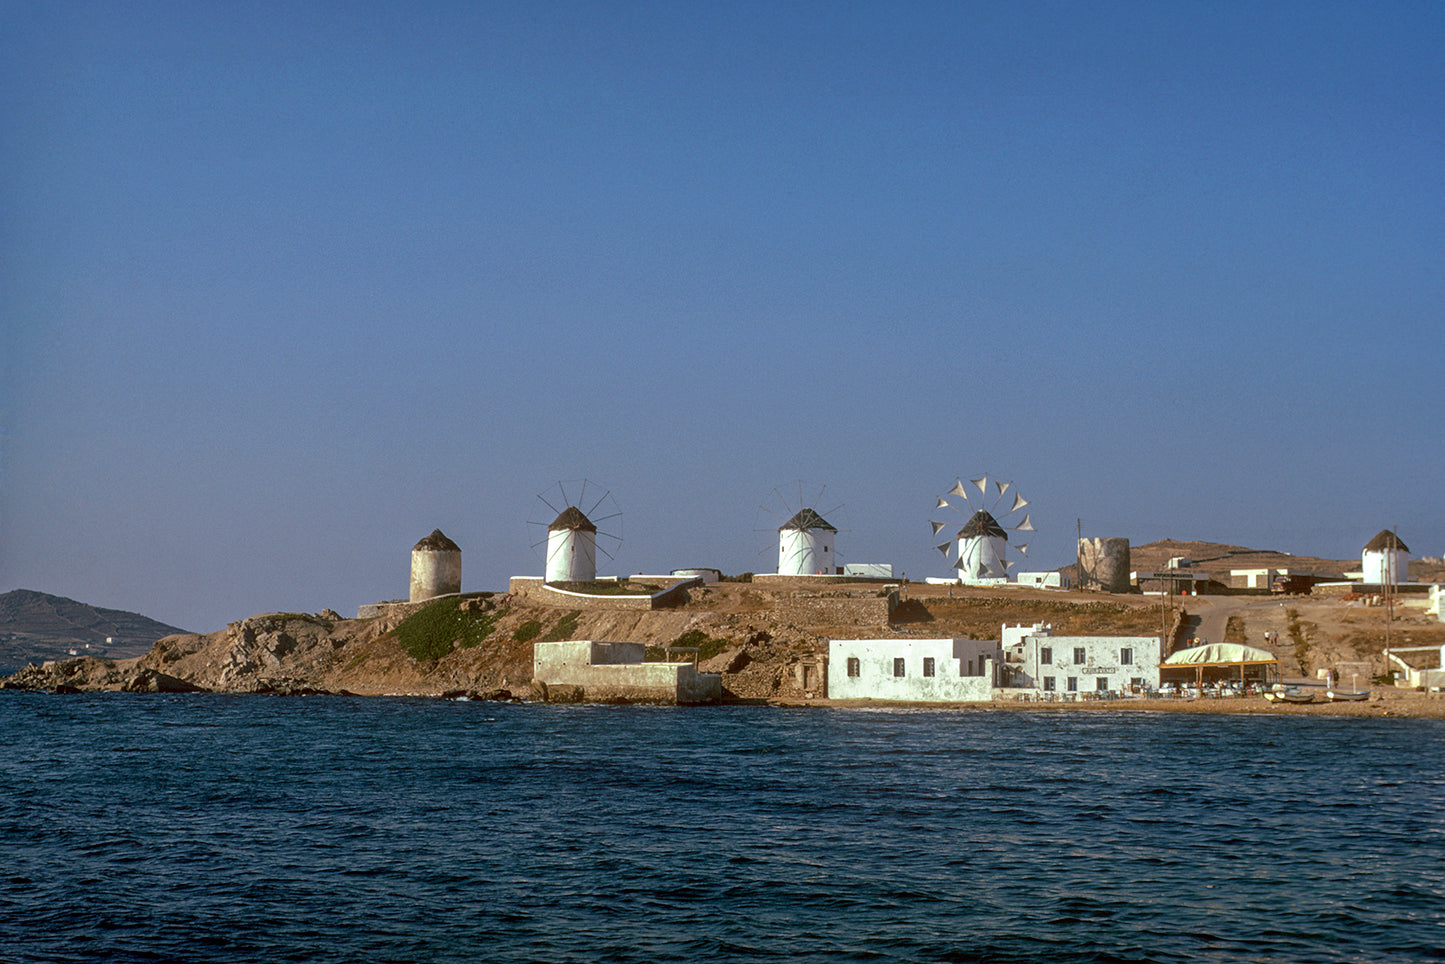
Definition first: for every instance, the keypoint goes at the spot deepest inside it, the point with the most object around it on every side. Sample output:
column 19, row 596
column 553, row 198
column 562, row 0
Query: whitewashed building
column 1066, row 667
column 1385, row 560
column 925, row 670
column 1044, row 580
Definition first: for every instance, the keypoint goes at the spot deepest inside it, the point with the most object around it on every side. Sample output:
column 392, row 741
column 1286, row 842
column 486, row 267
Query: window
column 970, row 669
column 1102, row 684
column 928, row 666
column 1126, row 655
column 853, row 666
column 1046, row 655
column 1079, row 657
column 898, row 666
column 1048, row 684
column 1073, row 684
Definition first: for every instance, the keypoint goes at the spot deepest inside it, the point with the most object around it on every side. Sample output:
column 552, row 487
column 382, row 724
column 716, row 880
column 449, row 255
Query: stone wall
column 535, row 591
column 403, row 608
column 836, row 609
column 1104, row 564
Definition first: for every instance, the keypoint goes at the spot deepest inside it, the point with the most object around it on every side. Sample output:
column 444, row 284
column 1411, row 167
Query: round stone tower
column 1104, row 564
column 436, row 567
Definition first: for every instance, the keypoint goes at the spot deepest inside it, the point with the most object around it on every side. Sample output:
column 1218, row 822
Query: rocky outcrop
column 154, row 681
column 764, row 647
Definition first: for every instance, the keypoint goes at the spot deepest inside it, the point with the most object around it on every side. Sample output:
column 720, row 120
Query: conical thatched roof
column 1384, row 541
column 572, row 518
column 806, row 519
column 436, row 542
column 982, row 524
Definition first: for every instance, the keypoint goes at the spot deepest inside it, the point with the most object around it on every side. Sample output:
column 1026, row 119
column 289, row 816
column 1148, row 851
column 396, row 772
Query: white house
column 1385, row 560
column 571, row 547
column 937, row 670
column 806, row 545
column 1044, row 580
column 1058, row 666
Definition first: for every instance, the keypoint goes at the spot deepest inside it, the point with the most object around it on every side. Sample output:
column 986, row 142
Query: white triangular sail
column 1024, row 526
column 957, row 489
column 1019, row 502
column 982, row 485
column 938, row 526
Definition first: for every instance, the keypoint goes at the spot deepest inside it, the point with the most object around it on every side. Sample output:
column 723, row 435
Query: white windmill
column 978, row 551
column 573, row 538
column 807, row 542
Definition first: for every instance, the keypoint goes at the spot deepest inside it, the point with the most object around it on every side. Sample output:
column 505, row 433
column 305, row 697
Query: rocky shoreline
column 758, row 639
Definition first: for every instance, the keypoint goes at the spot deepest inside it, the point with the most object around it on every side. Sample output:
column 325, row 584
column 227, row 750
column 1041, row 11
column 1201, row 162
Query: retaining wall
column 534, row 590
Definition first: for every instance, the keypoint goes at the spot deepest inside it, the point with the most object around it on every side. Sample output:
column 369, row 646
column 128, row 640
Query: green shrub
column 564, row 628
column 432, row 631
column 528, row 631
column 707, row 648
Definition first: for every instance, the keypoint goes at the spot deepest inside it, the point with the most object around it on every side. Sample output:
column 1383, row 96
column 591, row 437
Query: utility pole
column 1079, row 550
column 1389, row 574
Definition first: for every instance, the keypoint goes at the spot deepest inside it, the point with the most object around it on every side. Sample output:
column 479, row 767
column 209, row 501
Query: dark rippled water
column 208, row 828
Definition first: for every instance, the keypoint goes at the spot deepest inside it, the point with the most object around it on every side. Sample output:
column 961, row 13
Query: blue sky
column 287, row 286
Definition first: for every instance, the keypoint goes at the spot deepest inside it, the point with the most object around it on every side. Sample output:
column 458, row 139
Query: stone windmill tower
column 436, row 567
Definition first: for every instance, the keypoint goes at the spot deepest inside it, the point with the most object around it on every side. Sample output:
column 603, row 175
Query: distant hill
column 1217, row 559
column 36, row 626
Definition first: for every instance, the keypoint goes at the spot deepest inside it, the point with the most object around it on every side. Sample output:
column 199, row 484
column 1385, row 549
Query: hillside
column 1217, row 559
column 36, row 626
column 757, row 636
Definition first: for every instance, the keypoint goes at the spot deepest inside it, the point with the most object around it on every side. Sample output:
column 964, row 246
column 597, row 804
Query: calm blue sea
column 214, row 828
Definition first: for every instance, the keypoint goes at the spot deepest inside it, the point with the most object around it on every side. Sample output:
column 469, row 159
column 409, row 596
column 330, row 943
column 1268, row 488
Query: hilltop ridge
column 39, row 626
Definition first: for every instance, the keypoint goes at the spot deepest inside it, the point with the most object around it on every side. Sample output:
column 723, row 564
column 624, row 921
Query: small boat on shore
column 1290, row 694
column 1336, row 696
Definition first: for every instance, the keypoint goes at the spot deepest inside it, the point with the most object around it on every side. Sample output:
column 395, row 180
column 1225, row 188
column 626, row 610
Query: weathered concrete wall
column 963, row 669
column 609, row 670
column 1104, row 564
